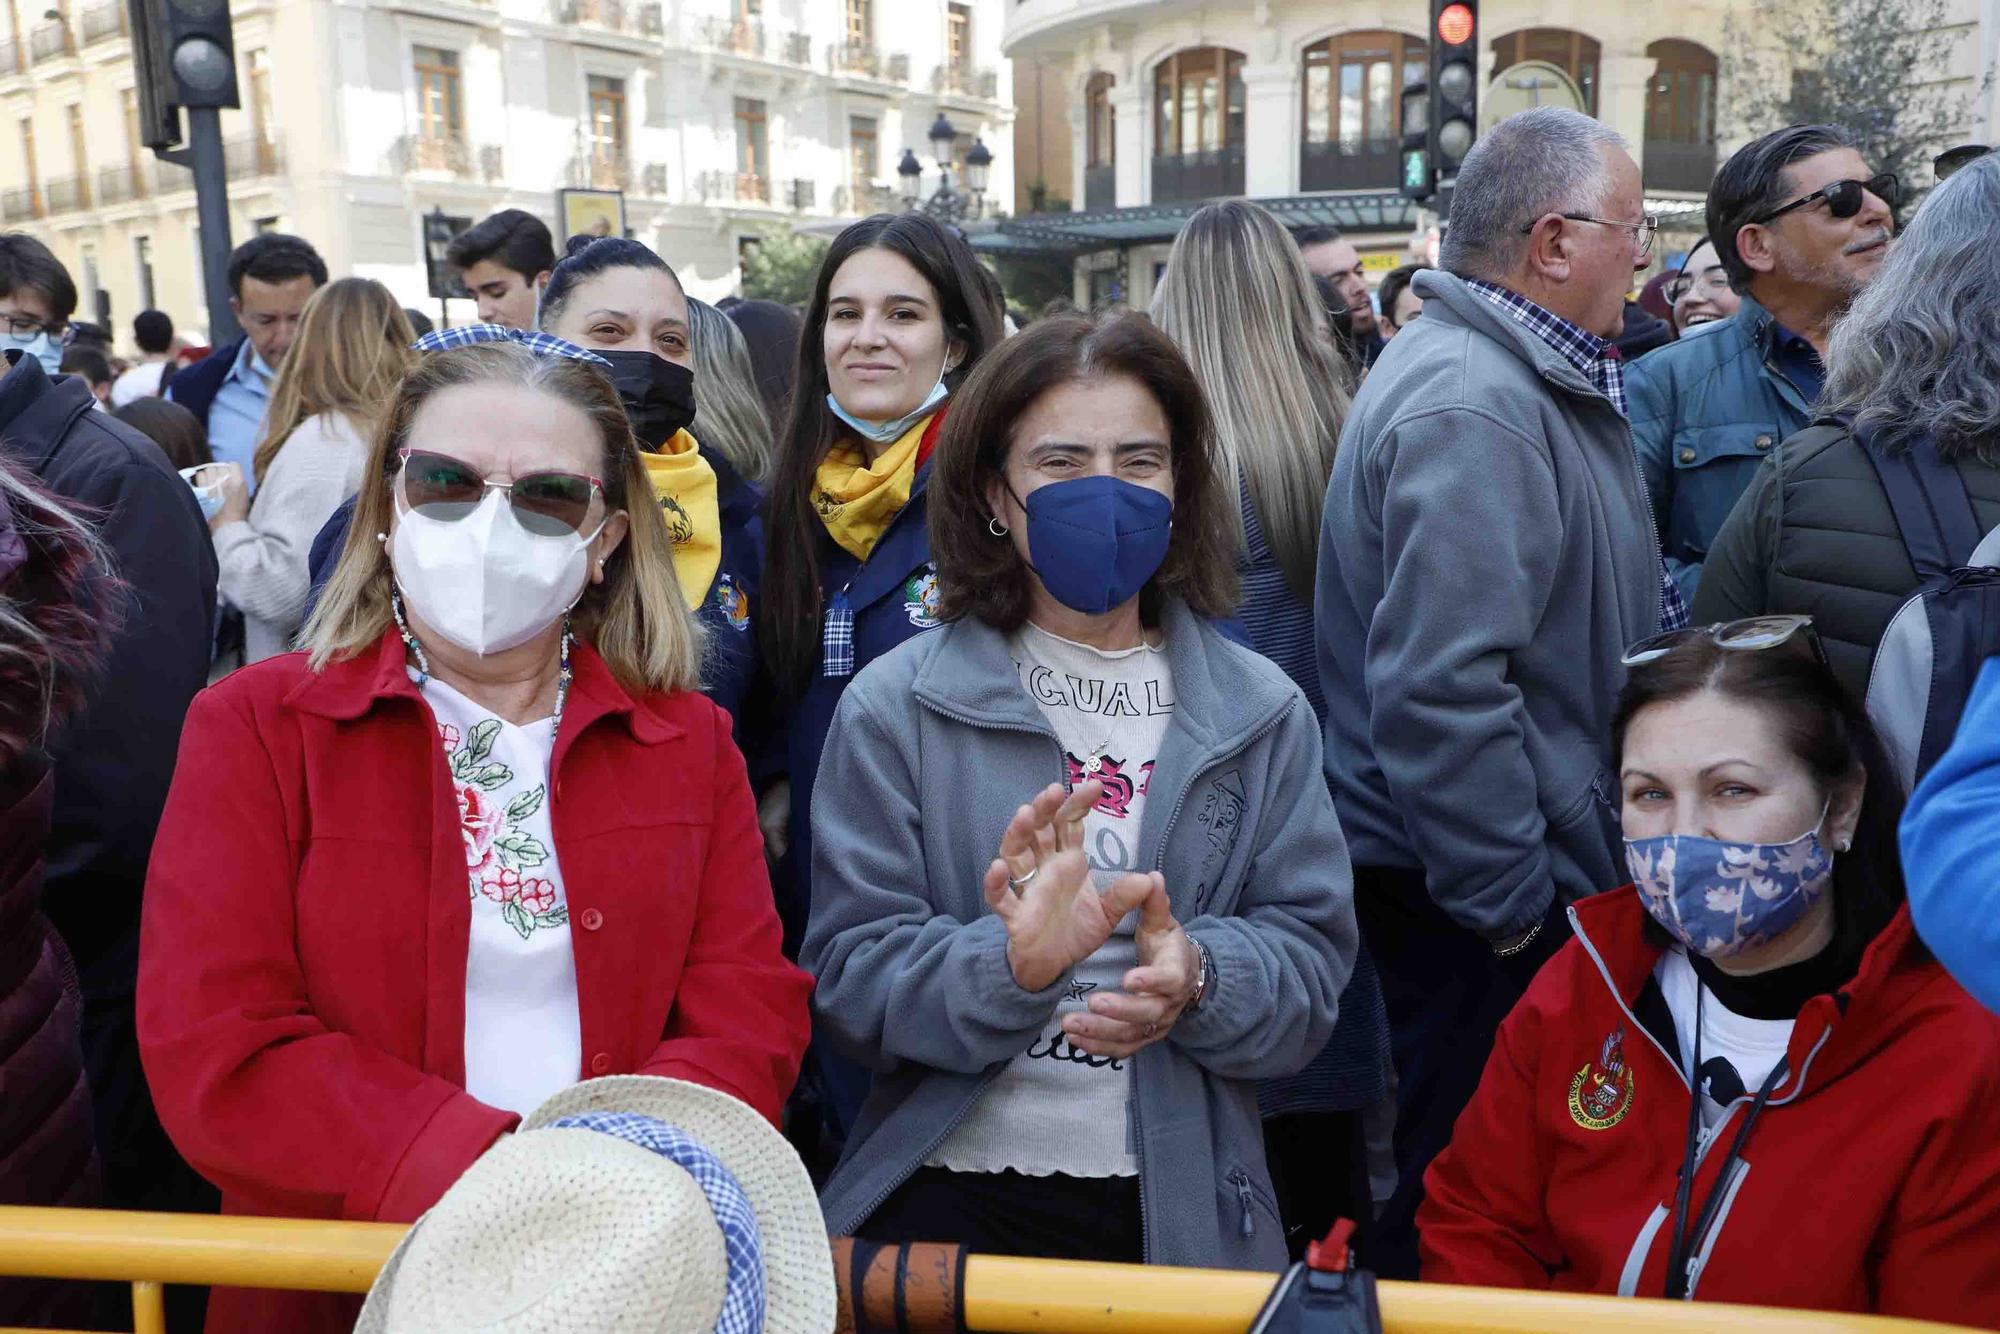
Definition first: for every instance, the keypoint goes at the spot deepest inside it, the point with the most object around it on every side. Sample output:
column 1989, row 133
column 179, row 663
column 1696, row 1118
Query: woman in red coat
column 1745, row 1079
column 483, row 839
column 51, row 635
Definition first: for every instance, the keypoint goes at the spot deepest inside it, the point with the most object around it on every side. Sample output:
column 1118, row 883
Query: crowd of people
column 1143, row 787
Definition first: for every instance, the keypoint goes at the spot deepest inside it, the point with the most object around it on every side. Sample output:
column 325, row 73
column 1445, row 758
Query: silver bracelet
column 1510, row 951
column 1204, row 973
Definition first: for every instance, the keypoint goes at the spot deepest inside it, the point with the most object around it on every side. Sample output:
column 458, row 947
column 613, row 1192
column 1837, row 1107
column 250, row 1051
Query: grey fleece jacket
column 934, row 747
column 1486, row 556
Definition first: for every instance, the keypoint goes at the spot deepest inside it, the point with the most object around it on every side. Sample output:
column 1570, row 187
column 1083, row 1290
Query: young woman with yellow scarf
column 900, row 314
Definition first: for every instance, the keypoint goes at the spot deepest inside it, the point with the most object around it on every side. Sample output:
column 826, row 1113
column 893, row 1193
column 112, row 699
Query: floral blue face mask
column 1720, row 899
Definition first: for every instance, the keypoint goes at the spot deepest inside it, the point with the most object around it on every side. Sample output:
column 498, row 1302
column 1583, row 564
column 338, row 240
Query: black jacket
column 1814, row 534
column 194, row 387
column 114, row 758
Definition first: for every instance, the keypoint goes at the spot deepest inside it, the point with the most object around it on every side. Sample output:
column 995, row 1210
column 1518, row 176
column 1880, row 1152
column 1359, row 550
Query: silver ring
column 1018, row 885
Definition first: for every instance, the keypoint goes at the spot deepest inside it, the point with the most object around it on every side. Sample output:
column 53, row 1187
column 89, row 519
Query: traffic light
column 201, row 53
column 1419, row 170
column 1454, row 86
column 159, row 118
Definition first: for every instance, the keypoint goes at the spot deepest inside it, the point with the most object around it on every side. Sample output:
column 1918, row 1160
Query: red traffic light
column 1455, row 24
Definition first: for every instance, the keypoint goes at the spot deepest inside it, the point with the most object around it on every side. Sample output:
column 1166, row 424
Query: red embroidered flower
column 538, row 896
column 480, row 821
column 500, row 884
column 449, row 735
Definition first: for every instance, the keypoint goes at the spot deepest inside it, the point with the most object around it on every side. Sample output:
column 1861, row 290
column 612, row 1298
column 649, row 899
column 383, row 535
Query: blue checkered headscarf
column 541, row 344
column 743, row 1293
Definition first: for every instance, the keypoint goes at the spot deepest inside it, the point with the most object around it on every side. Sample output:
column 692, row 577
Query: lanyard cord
column 1685, row 1238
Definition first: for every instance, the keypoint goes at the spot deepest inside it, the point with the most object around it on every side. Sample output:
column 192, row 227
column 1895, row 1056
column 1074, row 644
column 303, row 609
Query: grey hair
column 1534, row 162
column 1918, row 352
column 729, row 414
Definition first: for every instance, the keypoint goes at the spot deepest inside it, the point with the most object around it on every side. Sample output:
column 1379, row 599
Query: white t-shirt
column 523, row 1037
column 1055, row 1109
column 1753, row 1046
column 141, row 381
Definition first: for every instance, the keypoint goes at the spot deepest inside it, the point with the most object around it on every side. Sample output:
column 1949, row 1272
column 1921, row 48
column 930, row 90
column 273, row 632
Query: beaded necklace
column 424, row 663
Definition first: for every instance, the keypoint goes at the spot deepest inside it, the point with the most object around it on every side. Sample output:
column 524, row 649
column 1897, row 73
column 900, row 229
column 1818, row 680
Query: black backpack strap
column 1932, row 507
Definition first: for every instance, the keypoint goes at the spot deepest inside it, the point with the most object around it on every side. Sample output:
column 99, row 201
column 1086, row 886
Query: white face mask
column 40, row 346
column 484, row 582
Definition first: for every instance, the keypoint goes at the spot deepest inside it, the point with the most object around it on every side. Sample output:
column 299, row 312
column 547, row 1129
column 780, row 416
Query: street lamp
column 945, row 203
column 437, row 243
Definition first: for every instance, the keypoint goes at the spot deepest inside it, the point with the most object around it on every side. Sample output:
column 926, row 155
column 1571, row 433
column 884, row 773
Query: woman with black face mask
column 620, row 300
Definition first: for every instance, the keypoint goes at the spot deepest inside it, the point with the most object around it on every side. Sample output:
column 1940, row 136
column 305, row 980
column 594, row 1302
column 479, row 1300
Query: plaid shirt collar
column 1597, row 358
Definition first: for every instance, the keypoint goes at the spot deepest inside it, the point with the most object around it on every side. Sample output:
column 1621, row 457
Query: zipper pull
column 1242, row 1180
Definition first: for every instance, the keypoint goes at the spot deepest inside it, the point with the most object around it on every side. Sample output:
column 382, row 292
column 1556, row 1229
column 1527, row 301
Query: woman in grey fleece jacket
column 1030, row 1083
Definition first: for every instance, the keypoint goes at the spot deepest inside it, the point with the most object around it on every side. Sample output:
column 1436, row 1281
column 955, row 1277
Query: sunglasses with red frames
column 548, row 504
column 1843, row 198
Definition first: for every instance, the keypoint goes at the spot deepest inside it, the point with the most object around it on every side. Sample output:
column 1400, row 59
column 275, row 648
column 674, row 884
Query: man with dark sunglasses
column 1800, row 224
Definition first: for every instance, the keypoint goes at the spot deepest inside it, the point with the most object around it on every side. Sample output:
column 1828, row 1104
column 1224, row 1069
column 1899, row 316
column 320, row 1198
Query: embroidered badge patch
column 1601, row 1093
column 920, row 599
column 732, row 602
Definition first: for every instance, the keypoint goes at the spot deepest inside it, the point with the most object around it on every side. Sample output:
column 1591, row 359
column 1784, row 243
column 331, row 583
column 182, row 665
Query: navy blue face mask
column 1095, row 541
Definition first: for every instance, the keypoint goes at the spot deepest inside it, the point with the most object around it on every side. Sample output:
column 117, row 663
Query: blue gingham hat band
column 541, row 344
column 743, row 1293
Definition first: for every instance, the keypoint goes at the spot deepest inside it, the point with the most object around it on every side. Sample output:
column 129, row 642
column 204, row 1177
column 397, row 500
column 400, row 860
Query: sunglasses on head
column 1843, row 198
column 1749, row 635
column 548, row 504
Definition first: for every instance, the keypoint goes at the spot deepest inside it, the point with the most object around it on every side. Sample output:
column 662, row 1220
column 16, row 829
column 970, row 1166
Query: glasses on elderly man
column 1643, row 231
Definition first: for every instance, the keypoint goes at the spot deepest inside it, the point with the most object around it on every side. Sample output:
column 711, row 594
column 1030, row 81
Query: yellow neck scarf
column 857, row 500
column 685, row 486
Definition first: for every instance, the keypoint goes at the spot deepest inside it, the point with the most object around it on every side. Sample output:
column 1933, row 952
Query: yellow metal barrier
column 1002, row 1295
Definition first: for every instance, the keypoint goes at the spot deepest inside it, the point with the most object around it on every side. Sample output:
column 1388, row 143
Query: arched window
column 1570, row 52
column 1198, row 124
column 1100, row 142
column 1680, row 116
column 1353, row 108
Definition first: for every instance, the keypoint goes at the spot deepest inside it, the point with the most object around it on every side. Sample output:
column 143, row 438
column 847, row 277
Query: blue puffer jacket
column 1705, row 411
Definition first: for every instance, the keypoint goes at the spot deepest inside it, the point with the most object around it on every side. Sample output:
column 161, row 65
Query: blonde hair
column 1238, row 300
column 729, row 414
column 353, row 346
column 637, row 618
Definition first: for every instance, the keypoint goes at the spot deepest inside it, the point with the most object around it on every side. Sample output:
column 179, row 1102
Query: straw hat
column 598, row 1227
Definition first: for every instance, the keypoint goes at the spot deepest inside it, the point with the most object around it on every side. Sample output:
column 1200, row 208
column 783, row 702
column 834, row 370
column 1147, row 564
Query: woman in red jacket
column 1841, row 1152
column 482, row 840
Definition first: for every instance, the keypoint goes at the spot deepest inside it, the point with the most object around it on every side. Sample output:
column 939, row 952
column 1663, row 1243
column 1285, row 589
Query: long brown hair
column 982, row 575
column 789, row 609
column 353, row 346
column 637, row 619
column 59, row 604
column 1237, row 299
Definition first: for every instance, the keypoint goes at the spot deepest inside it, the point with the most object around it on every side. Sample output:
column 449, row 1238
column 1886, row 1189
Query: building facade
column 1170, row 102
column 717, row 119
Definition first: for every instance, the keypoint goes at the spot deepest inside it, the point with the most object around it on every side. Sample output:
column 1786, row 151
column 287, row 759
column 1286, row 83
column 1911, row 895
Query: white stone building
column 1169, row 102
column 717, row 118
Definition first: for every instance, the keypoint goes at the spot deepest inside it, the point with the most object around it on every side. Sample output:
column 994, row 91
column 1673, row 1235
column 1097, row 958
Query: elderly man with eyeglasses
column 1800, row 225
column 1486, row 556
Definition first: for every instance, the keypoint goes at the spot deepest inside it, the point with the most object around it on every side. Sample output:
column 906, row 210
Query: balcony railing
column 449, row 154
column 798, row 48
column 13, row 60
column 1100, row 187
column 600, row 170
column 896, row 69
column 249, row 156
column 801, row 194
column 739, row 37
column 735, row 187
column 117, row 185
column 653, row 181
column 20, row 204
column 51, row 40
column 101, row 22
column 861, row 200
column 613, row 15
column 855, row 58
column 1371, row 166
column 1679, row 167
column 965, row 81
column 1183, row 177
column 68, row 194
